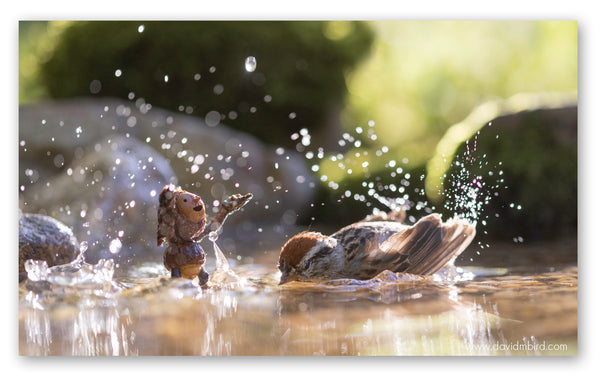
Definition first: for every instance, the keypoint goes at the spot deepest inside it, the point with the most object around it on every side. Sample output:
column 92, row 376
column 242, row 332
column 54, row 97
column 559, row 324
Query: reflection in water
column 90, row 327
column 480, row 312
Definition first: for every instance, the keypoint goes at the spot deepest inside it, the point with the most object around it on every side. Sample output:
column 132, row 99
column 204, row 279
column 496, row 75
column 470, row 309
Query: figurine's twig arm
column 228, row 206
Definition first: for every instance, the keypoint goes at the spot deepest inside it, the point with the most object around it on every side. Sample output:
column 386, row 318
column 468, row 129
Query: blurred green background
column 396, row 87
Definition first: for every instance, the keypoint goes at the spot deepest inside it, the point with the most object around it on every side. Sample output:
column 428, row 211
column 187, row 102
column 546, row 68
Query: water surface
column 469, row 311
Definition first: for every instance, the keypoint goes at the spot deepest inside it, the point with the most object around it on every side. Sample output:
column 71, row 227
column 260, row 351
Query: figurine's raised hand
column 235, row 202
column 228, row 206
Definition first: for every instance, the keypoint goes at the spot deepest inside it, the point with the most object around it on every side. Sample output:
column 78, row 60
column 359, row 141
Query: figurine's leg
column 203, row 277
column 175, row 272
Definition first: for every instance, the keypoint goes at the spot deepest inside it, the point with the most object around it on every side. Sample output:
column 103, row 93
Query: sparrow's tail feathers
column 426, row 247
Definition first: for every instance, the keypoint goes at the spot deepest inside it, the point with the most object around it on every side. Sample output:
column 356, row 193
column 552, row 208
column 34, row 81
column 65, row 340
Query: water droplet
column 95, row 86
column 118, row 73
column 213, row 236
column 212, row 118
column 218, row 89
column 141, row 28
column 250, row 63
column 115, row 246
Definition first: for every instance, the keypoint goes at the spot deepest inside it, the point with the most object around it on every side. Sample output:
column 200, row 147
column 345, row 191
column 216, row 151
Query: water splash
column 74, row 274
column 473, row 183
column 223, row 276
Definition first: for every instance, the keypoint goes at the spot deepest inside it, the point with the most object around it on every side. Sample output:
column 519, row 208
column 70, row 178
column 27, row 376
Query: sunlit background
column 415, row 79
column 368, row 105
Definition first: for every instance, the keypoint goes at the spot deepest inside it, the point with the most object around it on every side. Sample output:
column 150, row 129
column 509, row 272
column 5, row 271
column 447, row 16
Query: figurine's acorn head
column 173, row 202
column 191, row 206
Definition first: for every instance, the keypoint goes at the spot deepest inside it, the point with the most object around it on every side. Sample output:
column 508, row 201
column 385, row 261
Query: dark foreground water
column 469, row 311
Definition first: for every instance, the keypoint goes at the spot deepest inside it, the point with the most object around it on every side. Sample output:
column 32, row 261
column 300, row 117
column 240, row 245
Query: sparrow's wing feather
column 426, row 247
column 361, row 243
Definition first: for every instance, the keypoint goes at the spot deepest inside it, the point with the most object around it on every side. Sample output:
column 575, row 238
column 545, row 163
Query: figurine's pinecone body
column 187, row 256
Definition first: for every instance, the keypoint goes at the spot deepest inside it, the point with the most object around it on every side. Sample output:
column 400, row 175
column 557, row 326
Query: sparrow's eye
column 307, row 264
column 185, row 200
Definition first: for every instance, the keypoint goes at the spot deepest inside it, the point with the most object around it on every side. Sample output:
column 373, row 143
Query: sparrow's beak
column 284, row 277
column 287, row 276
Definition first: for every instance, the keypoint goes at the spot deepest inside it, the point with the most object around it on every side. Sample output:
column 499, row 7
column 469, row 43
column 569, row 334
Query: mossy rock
column 299, row 69
column 535, row 197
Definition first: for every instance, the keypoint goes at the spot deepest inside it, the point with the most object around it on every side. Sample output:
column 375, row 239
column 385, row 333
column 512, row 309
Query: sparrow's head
column 191, row 206
column 306, row 256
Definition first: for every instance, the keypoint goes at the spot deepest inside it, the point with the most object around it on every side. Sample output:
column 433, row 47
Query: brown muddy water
column 491, row 309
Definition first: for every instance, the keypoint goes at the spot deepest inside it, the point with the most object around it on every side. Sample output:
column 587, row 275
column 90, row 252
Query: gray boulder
column 68, row 169
column 109, row 197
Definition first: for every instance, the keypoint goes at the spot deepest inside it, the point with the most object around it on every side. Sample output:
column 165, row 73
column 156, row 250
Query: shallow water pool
column 468, row 311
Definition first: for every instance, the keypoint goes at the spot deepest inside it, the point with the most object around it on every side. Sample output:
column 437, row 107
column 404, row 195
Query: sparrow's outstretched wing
column 426, row 247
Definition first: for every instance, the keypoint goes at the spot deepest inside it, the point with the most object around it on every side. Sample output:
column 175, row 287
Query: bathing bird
column 366, row 248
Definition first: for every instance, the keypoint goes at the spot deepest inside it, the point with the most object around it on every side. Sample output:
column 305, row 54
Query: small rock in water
column 43, row 238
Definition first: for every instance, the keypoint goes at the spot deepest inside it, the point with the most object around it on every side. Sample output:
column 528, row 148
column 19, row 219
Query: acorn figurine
column 182, row 224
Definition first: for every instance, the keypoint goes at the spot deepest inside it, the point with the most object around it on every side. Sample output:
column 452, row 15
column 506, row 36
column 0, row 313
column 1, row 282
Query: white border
column 589, row 42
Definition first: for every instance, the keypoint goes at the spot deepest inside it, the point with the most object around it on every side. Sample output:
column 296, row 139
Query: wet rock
column 213, row 162
column 45, row 238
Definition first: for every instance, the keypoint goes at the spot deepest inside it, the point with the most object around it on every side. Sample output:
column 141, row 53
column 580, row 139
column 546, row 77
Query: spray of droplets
column 475, row 181
column 468, row 192
column 385, row 181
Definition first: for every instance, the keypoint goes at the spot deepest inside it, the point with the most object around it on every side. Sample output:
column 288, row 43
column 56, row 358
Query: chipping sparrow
column 366, row 248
